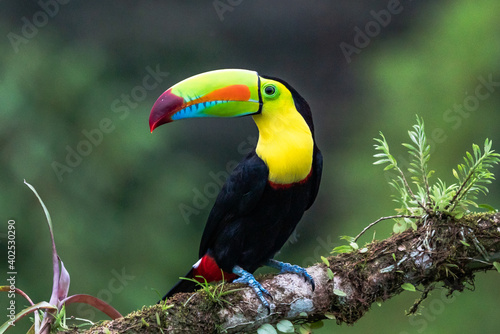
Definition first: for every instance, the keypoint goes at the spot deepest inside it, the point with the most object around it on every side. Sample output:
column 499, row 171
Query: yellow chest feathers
column 285, row 143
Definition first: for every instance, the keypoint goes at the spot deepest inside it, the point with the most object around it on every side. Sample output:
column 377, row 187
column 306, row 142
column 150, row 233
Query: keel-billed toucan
column 267, row 193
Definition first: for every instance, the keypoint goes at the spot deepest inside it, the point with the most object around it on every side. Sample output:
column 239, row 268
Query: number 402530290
column 11, row 245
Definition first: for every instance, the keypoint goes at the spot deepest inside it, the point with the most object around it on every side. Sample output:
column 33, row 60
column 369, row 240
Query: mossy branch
column 442, row 251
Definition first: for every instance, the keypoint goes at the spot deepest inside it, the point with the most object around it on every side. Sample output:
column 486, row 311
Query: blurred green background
column 78, row 79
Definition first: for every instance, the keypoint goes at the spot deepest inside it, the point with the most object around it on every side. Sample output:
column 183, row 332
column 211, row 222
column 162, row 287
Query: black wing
column 317, row 169
column 239, row 196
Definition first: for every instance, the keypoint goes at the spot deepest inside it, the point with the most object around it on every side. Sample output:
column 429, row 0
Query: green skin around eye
column 271, row 91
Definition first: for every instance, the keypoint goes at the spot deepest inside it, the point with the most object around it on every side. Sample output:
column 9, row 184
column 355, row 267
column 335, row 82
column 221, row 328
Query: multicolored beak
column 221, row 93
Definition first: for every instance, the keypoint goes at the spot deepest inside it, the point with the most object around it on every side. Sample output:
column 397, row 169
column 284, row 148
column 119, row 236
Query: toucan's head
column 225, row 93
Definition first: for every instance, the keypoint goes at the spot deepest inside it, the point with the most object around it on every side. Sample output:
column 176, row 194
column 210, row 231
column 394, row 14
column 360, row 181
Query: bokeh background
column 78, row 79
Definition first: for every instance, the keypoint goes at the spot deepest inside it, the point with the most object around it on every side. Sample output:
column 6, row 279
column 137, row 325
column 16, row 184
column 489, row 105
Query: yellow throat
column 285, row 141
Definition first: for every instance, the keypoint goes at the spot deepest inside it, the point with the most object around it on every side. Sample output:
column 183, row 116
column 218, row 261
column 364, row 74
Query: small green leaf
column 330, row 316
column 342, row 249
column 413, row 225
column 305, row 329
column 394, row 257
column 409, row 146
column 497, row 265
column 330, row 273
column 399, row 227
column 339, row 293
column 347, row 238
column 464, row 243
column 487, row 207
column 285, row 326
column 325, row 261
column 388, row 167
column 408, row 287
column 266, row 329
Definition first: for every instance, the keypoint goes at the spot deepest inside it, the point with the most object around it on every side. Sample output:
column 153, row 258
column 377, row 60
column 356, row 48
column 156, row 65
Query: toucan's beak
column 221, row 93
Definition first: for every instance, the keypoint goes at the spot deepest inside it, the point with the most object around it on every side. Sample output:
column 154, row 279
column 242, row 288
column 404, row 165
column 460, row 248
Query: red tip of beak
column 163, row 109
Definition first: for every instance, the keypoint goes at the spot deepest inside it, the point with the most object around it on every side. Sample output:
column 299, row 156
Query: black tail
column 182, row 286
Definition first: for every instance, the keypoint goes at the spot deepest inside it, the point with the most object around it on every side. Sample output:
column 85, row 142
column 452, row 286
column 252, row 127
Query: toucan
column 268, row 192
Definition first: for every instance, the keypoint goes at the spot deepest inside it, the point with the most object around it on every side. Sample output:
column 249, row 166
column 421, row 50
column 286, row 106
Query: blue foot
column 249, row 279
column 289, row 268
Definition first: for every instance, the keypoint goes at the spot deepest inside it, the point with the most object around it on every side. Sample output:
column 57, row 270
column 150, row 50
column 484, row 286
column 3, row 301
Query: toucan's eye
column 271, row 91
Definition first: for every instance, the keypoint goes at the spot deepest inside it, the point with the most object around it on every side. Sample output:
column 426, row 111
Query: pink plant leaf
column 99, row 304
column 55, row 258
column 63, row 284
column 60, row 284
column 6, row 288
column 25, row 312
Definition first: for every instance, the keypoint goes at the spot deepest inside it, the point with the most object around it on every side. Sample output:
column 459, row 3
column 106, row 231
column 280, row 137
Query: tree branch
column 441, row 251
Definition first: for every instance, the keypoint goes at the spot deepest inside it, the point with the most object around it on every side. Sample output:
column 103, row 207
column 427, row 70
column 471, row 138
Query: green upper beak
column 221, row 93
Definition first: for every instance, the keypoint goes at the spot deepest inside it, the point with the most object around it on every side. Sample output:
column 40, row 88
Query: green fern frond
column 386, row 156
column 420, row 156
column 441, row 195
column 412, row 203
column 474, row 175
column 473, row 178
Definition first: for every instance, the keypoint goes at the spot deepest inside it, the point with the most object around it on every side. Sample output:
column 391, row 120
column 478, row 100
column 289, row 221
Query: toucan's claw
column 249, row 279
column 290, row 268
